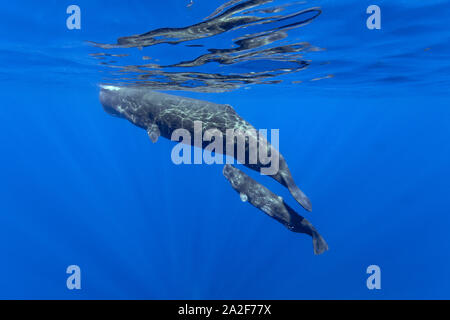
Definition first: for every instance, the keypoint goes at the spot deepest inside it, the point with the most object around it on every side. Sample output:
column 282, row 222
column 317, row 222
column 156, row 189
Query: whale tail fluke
column 319, row 243
column 298, row 194
column 284, row 177
column 299, row 224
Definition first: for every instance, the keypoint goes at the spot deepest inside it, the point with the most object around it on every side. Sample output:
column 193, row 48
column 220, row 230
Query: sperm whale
column 273, row 205
column 161, row 114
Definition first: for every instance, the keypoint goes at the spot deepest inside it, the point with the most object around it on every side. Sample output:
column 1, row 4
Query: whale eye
column 244, row 197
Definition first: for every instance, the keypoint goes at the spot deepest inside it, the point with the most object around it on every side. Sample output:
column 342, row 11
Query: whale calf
column 161, row 114
column 273, row 205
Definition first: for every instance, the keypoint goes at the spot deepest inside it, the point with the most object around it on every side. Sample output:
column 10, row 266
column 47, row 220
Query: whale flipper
column 153, row 132
column 273, row 205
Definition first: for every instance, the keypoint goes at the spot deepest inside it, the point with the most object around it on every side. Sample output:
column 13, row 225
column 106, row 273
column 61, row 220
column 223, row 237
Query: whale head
column 110, row 100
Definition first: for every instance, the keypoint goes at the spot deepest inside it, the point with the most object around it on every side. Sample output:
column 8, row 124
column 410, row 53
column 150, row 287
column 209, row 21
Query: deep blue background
column 369, row 146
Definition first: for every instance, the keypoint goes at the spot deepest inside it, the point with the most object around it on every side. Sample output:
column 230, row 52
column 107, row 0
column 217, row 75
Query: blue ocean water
column 368, row 143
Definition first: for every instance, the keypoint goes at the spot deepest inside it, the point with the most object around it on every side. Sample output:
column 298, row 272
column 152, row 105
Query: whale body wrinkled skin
column 161, row 114
column 273, row 205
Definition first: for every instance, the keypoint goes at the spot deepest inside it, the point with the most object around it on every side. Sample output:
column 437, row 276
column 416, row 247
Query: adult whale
column 161, row 114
